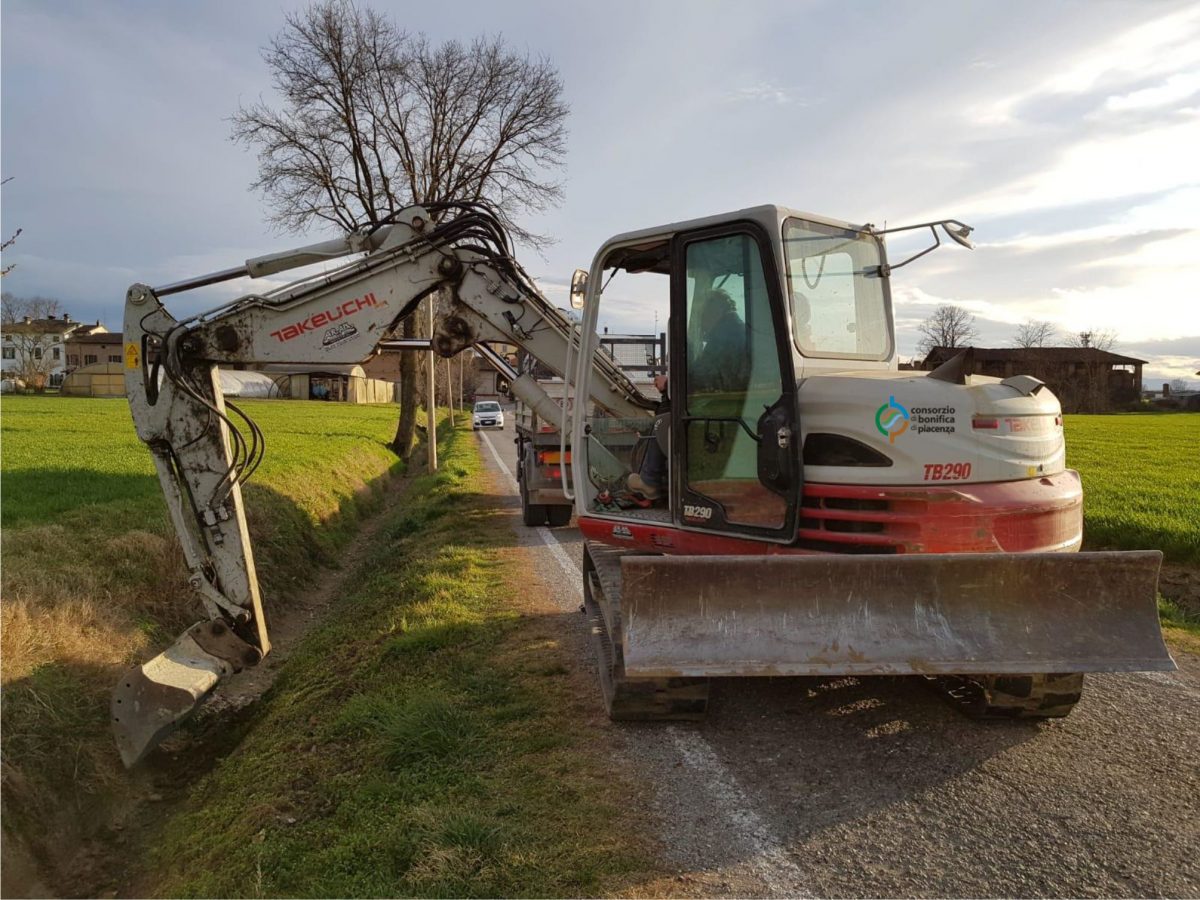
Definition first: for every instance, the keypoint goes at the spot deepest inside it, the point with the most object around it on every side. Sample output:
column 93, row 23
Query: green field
column 423, row 740
column 93, row 577
column 62, row 454
column 1141, row 482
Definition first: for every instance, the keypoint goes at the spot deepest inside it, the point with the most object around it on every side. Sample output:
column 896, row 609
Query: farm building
column 101, row 379
column 347, row 384
column 1085, row 379
column 107, row 379
column 1168, row 398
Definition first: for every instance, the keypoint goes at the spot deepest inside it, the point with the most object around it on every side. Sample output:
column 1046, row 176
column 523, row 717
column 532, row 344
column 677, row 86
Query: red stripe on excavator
column 1037, row 515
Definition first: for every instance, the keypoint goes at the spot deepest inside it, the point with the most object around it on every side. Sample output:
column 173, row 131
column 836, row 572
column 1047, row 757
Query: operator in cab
column 721, row 365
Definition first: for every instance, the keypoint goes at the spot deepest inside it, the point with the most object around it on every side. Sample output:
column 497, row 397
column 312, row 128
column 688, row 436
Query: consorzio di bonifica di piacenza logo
column 892, row 420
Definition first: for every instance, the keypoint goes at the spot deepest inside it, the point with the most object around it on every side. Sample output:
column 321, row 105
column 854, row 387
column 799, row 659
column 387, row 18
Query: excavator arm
column 205, row 448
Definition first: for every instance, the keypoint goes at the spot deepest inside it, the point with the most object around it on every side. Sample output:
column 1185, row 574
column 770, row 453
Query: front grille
column 1036, row 515
column 848, row 519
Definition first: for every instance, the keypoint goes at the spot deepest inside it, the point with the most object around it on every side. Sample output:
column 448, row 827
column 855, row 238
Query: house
column 86, row 349
column 33, row 351
column 107, row 379
column 1085, row 379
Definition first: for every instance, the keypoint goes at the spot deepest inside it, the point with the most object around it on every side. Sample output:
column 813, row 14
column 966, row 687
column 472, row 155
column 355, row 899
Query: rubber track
column 630, row 699
column 1044, row 696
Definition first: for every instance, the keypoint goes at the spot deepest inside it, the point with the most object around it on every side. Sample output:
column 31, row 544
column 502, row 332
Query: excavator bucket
column 152, row 699
column 986, row 613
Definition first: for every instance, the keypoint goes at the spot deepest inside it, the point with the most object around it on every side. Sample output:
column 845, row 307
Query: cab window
column 836, row 292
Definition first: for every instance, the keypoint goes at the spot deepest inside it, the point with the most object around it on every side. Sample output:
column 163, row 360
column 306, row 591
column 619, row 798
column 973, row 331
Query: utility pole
column 431, row 406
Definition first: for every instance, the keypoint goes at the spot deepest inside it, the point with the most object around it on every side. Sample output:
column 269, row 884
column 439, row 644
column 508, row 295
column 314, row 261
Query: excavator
column 822, row 512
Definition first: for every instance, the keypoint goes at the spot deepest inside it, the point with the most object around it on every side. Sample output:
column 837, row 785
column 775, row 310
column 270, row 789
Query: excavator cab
column 732, row 407
column 731, row 570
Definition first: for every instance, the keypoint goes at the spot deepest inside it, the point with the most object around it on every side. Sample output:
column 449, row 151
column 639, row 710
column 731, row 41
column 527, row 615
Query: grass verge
column 424, row 741
column 93, row 579
column 1179, row 624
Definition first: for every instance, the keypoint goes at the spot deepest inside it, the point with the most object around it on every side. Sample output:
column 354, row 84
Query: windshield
column 836, row 291
column 487, row 407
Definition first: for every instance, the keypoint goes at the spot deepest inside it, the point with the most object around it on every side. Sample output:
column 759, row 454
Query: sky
column 1067, row 134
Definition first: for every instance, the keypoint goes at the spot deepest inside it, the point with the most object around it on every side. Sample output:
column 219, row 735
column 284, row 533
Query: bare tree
column 373, row 119
column 8, row 242
column 1034, row 333
column 24, row 322
column 15, row 309
column 948, row 326
column 1099, row 338
column 1180, row 385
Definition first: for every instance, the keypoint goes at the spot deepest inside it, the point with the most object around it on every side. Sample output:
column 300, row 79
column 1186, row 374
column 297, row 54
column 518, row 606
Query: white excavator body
column 821, row 513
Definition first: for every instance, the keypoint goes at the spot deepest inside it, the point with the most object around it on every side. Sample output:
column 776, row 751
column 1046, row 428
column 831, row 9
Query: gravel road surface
column 876, row 787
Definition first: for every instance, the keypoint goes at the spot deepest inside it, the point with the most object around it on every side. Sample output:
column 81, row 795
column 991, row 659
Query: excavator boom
column 205, row 448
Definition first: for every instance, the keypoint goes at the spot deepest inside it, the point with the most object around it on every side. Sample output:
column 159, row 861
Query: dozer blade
column 150, row 700
column 985, row 613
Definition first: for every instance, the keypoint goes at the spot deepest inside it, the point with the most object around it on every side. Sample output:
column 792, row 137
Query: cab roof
column 644, row 250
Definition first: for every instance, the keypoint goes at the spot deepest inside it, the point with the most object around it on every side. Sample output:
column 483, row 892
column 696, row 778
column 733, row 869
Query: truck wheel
column 532, row 514
column 557, row 516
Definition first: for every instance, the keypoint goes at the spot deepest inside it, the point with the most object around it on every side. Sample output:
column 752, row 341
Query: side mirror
column 578, row 288
column 958, row 233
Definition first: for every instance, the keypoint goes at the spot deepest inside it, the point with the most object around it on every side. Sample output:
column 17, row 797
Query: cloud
column 1174, row 89
column 764, row 92
column 1067, row 137
column 1158, row 48
column 1147, row 161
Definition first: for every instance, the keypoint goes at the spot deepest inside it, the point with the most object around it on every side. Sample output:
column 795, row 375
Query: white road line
column 782, row 876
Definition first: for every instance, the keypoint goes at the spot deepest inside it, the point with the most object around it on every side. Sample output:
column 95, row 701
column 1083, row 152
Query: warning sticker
column 131, row 356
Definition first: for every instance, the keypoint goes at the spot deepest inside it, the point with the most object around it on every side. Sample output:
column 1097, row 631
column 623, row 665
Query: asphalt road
column 877, row 787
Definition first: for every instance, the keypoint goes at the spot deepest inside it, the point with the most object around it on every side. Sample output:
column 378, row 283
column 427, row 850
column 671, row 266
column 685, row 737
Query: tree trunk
column 402, row 444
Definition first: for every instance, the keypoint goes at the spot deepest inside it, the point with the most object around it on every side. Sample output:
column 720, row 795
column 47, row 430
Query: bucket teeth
column 150, row 700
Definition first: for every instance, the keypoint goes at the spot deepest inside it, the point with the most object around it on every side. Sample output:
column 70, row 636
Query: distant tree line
column 952, row 326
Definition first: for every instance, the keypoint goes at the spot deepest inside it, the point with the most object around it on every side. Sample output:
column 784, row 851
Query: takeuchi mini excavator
column 818, row 513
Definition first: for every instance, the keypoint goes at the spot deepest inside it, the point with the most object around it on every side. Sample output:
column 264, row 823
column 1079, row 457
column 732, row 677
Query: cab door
column 735, row 435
